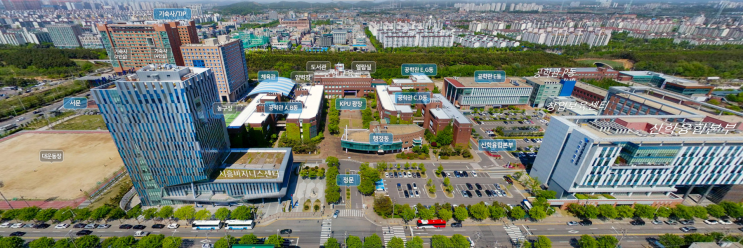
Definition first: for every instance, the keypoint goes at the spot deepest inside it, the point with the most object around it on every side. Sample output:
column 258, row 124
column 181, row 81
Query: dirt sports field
column 88, row 159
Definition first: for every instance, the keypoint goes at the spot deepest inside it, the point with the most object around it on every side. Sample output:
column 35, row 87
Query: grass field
column 83, row 122
column 88, row 159
column 41, row 122
column 589, row 62
column 228, row 118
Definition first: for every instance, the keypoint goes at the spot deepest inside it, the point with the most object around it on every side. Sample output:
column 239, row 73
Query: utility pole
column 6, row 200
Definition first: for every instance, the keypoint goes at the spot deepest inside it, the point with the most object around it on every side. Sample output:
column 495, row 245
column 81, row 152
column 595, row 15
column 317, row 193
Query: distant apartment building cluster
column 486, row 41
column 499, row 7
column 568, row 36
column 400, row 34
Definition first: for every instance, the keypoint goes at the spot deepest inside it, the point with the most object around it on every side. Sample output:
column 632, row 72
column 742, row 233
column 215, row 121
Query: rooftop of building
column 450, row 110
column 608, row 130
column 469, row 82
column 362, row 135
column 312, row 102
column 542, row 80
column 212, row 42
column 638, row 94
column 591, row 88
column 413, row 79
column 255, row 164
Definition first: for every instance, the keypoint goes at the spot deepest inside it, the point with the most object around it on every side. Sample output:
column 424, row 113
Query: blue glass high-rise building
column 161, row 121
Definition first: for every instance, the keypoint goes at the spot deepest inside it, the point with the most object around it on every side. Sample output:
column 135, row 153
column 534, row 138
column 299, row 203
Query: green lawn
column 41, row 121
column 83, row 122
column 228, row 118
column 590, row 62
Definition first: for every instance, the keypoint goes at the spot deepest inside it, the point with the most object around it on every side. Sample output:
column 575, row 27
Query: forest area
column 44, row 60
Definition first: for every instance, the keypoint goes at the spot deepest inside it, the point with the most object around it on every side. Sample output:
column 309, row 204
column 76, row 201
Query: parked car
column 418, row 174
column 42, row 226
column 417, row 194
column 406, row 194
column 474, row 174
column 410, row 187
column 103, row 226
column 711, row 222
column 638, row 222
column 478, row 193
column 586, row 222
column 399, row 187
column 478, row 186
column 464, row 193
column 173, row 226
column 672, row 222
column 387, row 175
column 415, row 186
column 573, row 223
column 469, row 186
column 17, row 225
column 125, row 226
column 657, row 222
column 91, row 226
column 725, row 221
column 6, row 225
column 61, row 226
column 84, row 232
column 687, row 222
column 139, row 227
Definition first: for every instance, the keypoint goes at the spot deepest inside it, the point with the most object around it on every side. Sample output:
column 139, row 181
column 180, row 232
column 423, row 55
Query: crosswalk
column 514, row 233
column 326, row 231
column 351, row 213
column 393, row 231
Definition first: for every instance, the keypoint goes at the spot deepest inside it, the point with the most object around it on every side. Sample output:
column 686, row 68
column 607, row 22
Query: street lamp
column 1, row 194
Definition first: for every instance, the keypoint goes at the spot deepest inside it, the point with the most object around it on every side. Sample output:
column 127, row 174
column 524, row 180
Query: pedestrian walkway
column 351, row 213
column 514, row 233
column 393, row 231
column 326, row 230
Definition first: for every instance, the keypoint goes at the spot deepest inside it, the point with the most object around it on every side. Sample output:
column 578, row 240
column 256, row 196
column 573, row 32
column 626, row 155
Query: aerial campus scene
column 370, row 124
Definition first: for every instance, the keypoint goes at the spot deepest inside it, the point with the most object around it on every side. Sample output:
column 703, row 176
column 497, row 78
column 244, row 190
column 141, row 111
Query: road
column 309, row 232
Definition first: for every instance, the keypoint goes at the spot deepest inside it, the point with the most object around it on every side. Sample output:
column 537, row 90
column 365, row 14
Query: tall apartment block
column 65, row 35
column 133, row 46
column 161, row 121
column 226, row 58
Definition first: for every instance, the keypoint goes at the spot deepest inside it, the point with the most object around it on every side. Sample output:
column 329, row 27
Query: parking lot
column 485, row 180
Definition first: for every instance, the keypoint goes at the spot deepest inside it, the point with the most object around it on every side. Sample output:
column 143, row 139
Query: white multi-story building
column 12, row 38
column 410, row 35
column 567, row 36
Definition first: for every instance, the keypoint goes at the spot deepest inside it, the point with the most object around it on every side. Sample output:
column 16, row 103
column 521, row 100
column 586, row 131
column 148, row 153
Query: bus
column 239, row 224
column 526, row 204
column 437, row 223
column 207, row 225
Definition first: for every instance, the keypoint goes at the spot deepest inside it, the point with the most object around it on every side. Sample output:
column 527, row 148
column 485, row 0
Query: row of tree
column 12, row 106
column 673, row 240
column 383, row 206
column 334, row 117
column 374, row 241
column 332, row 190
column 92, row 241
column 107, row 213
column 725, row 208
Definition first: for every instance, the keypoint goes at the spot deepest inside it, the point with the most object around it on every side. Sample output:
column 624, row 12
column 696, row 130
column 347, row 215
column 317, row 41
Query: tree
column 537, row 213
column 165, row 212
column 90, row 241
column 151, row 241
column 127, row 241
column 608, row 211
column 249, row 239
column 81, row 214
column 517, row 213
column 275, row 240
column 479, row 211
column 203, row 214
column 222, row 213
column 497, row 211
column 445, row 137
column 699, row 212
column 577, row 210
column 45, row 214
column 447, row 182
column 225, row 242
column 108, row 242
column 445, row 214
column 331, row 243
column 625, row 211
column 100, row 213
column 135, row 212
column 395, row 242
column 172, row 242
column 664, row 212
column 460, row 213
column 332, row 161
column 591, row 212
column 369, row 176
column 440, row 170
column 425, row 213
column 671, row 240
column 42, row 242
column 12, row 242
column 526, row 244
column 383, row 205
column 353, row 242
column 440, row 241
column 116, row 214
column 149, row 213
column 63, row 214
column 607, row 241
column 682, row 212
column 459, row 241
column 241, row 213
column 697, row 237
column 186, row 212
column 542, row 242
column 716, row 210
column 407, row 213
column 416, row 242
column 644, row 211
column 586, row 241
column 28, row 213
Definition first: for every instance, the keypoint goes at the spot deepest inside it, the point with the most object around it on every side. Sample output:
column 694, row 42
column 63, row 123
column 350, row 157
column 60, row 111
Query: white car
column 173, row 226
column 141, row 234
column 17, row 225
column 103, row 226
column 415, row 186
column 410, row 174
column 5, row 225
column 725, row 222
column 62, row 226
column 417, row 194
column 711, row 222
column 387, row 175
column 474, row 174
column 573, row 223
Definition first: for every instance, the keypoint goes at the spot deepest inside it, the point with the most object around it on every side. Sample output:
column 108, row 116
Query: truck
column 141, row 234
